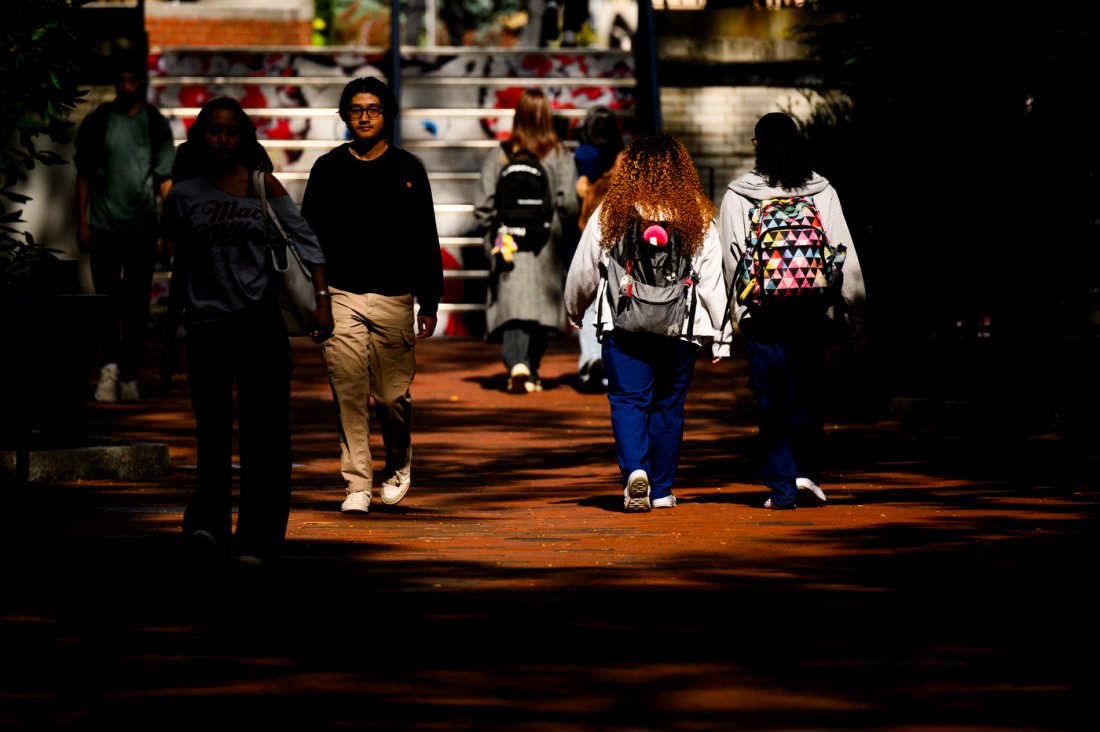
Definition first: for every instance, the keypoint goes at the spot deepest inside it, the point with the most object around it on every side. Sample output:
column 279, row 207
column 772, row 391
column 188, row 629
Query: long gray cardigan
column 532, row 289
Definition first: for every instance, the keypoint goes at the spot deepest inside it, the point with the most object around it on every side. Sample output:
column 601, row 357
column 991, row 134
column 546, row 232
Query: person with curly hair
column 223, row 282
column 649, row 375
column 525, row 294
column 786, row 345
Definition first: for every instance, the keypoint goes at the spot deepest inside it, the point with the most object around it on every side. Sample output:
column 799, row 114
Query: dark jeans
column 524, row 341
column 648, row 378
column 122, row 268
column 786, row 360
column 249, row 349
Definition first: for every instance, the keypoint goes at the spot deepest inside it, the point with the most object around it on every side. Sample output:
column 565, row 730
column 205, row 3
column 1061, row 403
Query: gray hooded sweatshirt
column 733, row 224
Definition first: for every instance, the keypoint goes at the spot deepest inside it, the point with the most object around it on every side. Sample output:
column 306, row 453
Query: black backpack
column 524, row 203
column 650, row 287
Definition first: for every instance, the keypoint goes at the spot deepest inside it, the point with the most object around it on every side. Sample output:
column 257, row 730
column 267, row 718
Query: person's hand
column 425, row 326
column 322, row 327
column 577, row 325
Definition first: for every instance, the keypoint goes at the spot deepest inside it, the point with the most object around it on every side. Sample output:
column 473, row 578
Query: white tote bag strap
column 260, row 185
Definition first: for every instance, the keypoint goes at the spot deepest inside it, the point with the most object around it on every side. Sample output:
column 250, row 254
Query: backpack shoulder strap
column 156, row 125
column 600, row 297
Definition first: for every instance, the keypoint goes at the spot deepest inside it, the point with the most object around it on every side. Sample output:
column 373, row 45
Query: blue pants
column 647, row 383
column 787, row 374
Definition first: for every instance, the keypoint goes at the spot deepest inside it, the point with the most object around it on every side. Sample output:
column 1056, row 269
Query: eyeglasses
column 372, row 112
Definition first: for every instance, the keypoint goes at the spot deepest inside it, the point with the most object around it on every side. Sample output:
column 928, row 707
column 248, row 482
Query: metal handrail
column 504, row 81
column 311, row 112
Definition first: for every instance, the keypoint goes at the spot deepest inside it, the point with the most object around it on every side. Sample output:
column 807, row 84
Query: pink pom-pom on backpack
column 656, row 236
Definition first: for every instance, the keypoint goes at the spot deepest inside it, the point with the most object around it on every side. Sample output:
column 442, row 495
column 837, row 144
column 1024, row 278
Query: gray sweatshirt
column 733, row 224
column 584, row 284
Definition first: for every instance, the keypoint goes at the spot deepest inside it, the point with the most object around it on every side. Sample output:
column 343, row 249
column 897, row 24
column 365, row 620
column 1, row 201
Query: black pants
column 524, row 341
column 249, row 349
column 122, row 268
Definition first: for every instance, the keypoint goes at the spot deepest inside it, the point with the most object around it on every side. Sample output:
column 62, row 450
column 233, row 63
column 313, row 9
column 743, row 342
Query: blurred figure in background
column 124, row 154
column 525, row 293
column 597, row 158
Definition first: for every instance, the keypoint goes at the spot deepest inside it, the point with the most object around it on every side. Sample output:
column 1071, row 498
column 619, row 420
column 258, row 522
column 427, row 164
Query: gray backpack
column 650, row 287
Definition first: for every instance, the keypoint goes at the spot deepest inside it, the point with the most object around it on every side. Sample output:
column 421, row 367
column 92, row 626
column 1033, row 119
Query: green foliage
column 40, row 68
column 950, row 111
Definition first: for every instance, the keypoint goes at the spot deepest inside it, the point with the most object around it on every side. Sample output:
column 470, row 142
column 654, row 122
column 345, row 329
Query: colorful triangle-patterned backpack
column 787, row 253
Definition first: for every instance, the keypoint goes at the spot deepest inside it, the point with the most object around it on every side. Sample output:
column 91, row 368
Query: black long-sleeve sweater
column 376, row 223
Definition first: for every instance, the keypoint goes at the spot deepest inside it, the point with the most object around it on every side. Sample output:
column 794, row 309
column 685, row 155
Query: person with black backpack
column 783, row 232
column 525, row 196
column 124, row 152
column 650, row 258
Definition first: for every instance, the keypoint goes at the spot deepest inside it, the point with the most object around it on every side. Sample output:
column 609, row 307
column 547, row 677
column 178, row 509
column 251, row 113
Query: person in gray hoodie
column 786, row 345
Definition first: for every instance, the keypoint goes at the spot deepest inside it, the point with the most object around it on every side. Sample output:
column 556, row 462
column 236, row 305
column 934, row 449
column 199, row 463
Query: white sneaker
column 636, row 493
column 592, row 377
column 356, row 502
column 532, row 385
column 107, row 388
column 201, row 545
column 668, row 501
column 128, row 391
column 397, row 485
column 805, row 484
column 517, row 379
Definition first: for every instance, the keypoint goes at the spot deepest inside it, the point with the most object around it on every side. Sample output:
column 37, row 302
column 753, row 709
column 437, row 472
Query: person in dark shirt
column 124, row 154
column 370, row 204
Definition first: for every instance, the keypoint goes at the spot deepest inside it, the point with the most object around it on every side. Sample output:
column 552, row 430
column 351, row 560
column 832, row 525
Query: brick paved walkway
column 947, row 585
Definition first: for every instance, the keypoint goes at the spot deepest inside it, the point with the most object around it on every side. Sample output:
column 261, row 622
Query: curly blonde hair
column 657, row 182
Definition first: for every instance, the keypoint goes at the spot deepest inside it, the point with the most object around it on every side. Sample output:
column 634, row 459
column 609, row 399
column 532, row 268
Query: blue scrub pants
column 787, row 372
column 647, row 383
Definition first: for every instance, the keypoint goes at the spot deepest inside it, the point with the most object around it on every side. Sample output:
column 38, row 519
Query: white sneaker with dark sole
column 356, row 502
column 636, row 493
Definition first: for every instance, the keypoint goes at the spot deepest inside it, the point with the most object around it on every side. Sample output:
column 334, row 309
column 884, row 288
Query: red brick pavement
column 947, row 585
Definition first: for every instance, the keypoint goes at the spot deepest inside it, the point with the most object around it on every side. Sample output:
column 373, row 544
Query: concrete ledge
column 107, row 459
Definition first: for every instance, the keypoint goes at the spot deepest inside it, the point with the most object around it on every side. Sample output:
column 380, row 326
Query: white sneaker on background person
column 128, row 391
column 107, row 388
